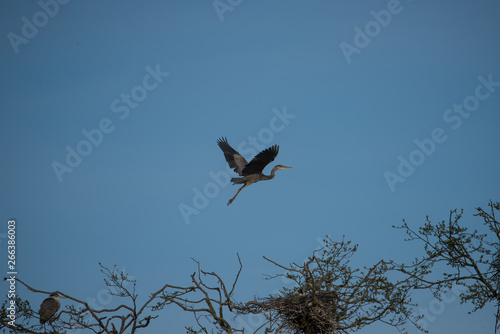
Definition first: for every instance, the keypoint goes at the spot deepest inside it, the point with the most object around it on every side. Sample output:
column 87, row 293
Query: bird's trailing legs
column 232, row 199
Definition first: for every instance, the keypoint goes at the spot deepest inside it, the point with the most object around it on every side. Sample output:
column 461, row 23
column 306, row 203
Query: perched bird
column 251, row 172
column 49, row 307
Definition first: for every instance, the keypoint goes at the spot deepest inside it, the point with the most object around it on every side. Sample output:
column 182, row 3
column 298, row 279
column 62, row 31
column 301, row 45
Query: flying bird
column 49, row 307
column 251, row 172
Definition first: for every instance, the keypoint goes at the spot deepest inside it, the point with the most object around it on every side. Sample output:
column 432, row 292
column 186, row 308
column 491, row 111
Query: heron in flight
column 251, row 172
column 49, row 307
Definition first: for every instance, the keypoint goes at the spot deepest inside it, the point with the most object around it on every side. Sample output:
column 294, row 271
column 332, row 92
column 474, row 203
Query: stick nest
column 310, row 313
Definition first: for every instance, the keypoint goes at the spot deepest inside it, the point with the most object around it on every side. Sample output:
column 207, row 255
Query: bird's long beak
column 285, row 167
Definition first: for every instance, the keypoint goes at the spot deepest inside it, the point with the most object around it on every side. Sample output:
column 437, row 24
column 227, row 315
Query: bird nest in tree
column 312, row 313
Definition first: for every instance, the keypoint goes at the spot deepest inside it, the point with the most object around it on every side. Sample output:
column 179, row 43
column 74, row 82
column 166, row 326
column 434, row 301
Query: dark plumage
column 250, row 172
column 49, row 307
column 261, row 160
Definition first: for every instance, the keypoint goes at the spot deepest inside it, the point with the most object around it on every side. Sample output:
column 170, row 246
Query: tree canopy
column 329, row 294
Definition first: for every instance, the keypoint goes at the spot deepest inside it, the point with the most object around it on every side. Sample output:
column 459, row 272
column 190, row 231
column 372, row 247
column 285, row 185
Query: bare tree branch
column 470, row 259
column 80, row 315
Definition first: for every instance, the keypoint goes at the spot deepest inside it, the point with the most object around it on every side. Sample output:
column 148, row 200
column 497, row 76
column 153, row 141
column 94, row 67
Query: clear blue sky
column 162, row 80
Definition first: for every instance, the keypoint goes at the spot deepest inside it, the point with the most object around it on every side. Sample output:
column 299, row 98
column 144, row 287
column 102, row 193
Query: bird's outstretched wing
column 261, row 160
column 233, row 158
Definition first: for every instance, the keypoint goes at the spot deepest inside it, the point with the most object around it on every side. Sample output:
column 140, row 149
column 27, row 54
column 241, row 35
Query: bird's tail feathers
column 238, row 180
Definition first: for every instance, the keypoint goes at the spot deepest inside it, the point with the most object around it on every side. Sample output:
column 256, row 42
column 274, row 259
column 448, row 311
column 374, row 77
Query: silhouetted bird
column 49, row 307
column 251, row 172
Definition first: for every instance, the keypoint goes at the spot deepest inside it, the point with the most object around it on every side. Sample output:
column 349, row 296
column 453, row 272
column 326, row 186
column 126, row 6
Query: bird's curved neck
column 273, row 173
